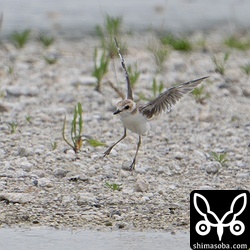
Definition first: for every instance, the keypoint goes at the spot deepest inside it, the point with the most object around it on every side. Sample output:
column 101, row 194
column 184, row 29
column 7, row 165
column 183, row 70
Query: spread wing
column 129, row 89
column 168, row 98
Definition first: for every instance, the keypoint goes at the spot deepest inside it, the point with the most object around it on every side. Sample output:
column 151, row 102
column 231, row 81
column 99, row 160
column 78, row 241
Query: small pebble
column 141, row 186
column 212, row 167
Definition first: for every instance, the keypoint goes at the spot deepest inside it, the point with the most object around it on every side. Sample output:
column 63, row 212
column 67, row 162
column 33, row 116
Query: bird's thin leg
column 132, row 166
column 107, row 152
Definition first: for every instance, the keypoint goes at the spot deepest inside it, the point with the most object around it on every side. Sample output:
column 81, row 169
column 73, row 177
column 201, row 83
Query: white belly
column 136, row 123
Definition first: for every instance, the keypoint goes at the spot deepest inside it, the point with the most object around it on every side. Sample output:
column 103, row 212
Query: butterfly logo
column 236, row 227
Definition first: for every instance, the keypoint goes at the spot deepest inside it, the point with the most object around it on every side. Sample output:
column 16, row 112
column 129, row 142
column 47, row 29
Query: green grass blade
column 80, row 119
column 63, row 134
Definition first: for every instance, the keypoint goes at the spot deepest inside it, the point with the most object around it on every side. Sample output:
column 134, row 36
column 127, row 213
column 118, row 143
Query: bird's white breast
column 136, row 123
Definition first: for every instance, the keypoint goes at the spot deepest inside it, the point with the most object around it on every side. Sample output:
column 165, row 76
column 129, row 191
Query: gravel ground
column 43, row 186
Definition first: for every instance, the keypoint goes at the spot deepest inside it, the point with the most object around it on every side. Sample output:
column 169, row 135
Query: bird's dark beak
column 117, row 112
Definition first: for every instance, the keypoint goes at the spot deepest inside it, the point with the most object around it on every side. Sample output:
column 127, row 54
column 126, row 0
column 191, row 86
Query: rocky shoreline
column 43, row 184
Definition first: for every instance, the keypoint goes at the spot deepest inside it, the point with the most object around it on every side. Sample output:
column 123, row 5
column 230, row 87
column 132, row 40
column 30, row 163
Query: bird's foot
column 107, row 152
column 132, row 166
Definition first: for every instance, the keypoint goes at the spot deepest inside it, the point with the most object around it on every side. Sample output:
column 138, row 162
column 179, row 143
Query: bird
column 136, row 117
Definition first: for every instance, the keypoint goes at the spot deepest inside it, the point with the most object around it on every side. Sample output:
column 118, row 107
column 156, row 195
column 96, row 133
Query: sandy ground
column 47, row 186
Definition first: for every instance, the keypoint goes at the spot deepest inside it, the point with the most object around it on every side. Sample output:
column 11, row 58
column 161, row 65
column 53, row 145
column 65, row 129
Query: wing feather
column 168, row 98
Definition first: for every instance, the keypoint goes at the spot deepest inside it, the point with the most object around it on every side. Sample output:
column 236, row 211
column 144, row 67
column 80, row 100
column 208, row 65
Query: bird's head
column 126, row 107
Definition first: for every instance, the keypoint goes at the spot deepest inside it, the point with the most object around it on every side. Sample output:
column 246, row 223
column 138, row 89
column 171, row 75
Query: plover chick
column 135, row 117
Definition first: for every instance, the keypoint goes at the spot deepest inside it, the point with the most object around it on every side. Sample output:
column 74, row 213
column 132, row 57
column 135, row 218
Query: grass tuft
column 237, row 43
column 220, row 63
column 181, row 44
column 157, row 88
column 200, row 95
column 46, row 40
column 112, row 28
column 13, row 127
column 54, row 145
column 100, row 68
column 76, row 129
column 134, row 74
column 221, row 158
column 29, row 119
column 20, row 38
column 160, row 56
column 114, row 186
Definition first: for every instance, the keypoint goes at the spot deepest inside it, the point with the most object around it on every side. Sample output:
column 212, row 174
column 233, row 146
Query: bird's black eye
column 127, row 107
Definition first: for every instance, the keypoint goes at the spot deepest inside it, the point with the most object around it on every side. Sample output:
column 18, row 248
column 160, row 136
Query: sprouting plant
column 76, row 129
column 112, row 28
column 54, row 145
column 46, row 40
column 200, row 95
column 220, row 64
column 134, row 74
column 182, row 44
column 100, row 68
column 237, row 43
column 246, row 68
column 221, row 158
column 51, row 59
column 114, row 186
column 157, row 88
column 28, row 119
column 13, row 127
column 20, row 38
column 234, row 118
column 160, row 53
